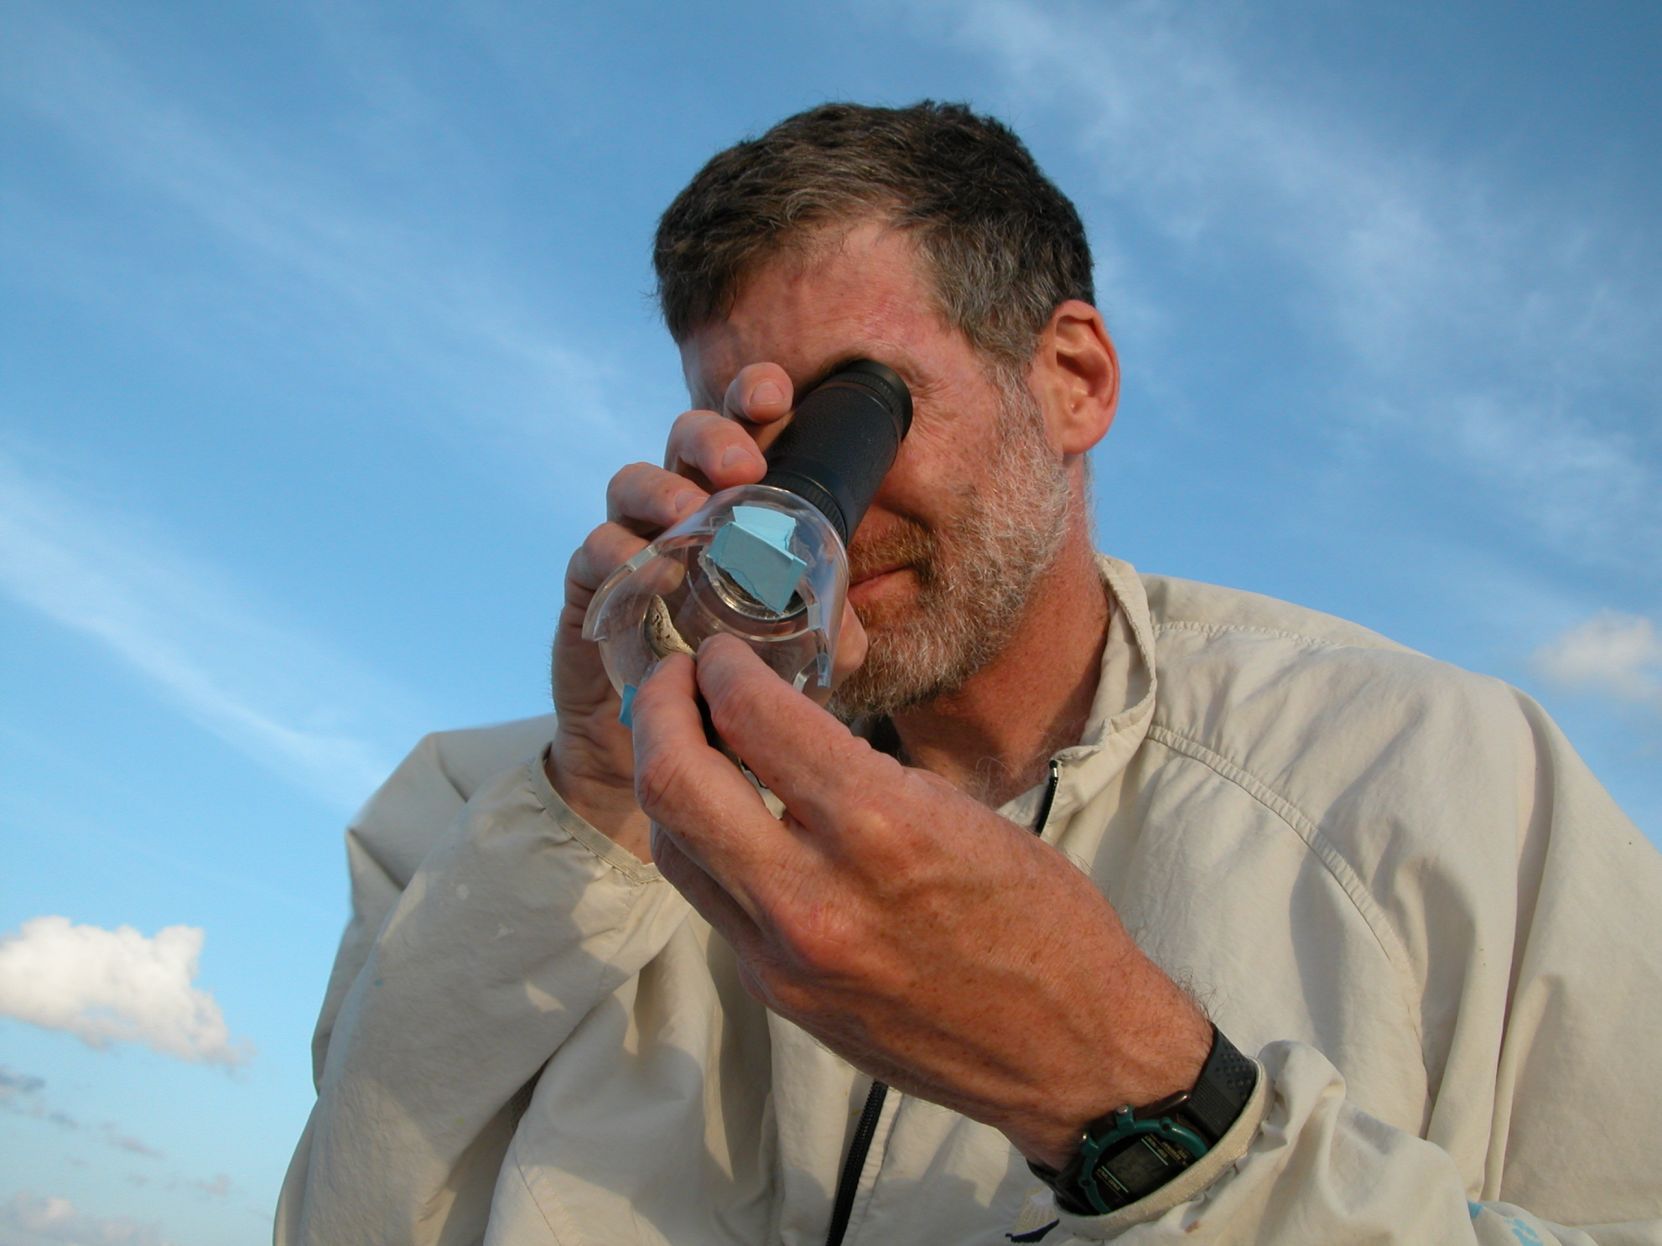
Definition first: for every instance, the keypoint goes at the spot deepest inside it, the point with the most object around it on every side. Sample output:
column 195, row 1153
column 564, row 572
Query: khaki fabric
column 1391, row 880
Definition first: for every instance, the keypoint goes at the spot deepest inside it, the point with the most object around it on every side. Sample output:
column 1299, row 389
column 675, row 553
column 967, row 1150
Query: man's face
column 976, row 504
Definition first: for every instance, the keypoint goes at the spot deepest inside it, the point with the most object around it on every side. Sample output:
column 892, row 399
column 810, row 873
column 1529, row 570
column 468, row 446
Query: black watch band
column 1132, row 1152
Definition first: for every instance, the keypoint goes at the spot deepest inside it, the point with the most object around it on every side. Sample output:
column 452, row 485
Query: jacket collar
column 1120, row 713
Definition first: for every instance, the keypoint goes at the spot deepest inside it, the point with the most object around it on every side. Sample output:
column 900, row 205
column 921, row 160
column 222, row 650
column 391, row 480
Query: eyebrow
column 837, row 363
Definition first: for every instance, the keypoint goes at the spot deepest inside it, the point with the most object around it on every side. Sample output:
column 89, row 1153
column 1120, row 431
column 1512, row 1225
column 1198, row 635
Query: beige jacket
column 1393, row 881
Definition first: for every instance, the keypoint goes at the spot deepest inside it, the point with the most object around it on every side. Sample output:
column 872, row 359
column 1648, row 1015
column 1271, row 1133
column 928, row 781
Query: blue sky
column 322, row 326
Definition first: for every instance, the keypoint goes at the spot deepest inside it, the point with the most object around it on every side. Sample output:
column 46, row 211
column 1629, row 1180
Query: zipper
column 859, row 1146
column 1050, row 797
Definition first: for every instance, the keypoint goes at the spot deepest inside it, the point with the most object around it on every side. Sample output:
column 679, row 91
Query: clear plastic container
column 757, row 562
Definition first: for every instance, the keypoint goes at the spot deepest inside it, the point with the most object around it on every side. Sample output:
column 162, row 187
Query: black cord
column 858, row 1147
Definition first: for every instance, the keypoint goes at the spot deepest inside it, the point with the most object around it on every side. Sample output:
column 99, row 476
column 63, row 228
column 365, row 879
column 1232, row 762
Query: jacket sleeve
column 516, row 923
column 1537, row 939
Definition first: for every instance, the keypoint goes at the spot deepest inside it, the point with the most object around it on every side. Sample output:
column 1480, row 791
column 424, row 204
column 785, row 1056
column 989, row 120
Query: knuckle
column 689, row 429
column 818, row 942
column 737, row 708
column 583, row 575
column 630, row 473
column 659, row 776
column 775, row 985
column 625, row 484
column 688, row 420
column 868, row 818
column 578, row 567
column 591, row 554
column 789, row 998
column 655, row 779
column 599, row 554
column 710, row 433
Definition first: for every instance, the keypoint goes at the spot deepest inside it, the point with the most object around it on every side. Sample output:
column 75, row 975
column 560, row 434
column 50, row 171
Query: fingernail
column 736, row 456
column 684, row 502
column 767, row 392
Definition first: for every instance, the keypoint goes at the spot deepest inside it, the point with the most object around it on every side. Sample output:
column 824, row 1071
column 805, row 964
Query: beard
column 973, row 580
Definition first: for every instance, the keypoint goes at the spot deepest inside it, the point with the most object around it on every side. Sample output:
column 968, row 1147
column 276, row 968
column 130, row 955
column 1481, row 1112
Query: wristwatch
column 1132, row 1152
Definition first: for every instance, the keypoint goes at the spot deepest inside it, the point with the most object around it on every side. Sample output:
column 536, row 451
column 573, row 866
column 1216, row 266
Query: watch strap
column 1132, row 1152
column 1222, row 1089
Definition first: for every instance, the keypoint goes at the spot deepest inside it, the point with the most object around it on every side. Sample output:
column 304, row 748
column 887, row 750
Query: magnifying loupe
column 766, row 562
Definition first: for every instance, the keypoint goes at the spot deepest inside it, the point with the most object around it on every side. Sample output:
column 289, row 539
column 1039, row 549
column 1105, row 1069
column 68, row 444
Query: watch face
column 1140, row 1165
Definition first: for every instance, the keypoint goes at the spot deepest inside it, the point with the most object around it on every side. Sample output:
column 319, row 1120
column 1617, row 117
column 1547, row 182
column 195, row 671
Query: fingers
column 723, row 449
column 602, row 551
column 852, row 643
column 645, row 499
column 798, row 750
column 759, row 394
column 713, row 450
column 706, row 451
column 715, row 816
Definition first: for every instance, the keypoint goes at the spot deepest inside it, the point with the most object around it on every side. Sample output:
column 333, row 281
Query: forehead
column 849, row 293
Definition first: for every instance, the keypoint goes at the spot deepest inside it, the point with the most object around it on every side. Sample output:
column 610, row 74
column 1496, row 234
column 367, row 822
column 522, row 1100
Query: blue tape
column 626, row 707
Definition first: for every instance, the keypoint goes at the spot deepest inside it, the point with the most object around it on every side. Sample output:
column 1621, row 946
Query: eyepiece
column 842, row 440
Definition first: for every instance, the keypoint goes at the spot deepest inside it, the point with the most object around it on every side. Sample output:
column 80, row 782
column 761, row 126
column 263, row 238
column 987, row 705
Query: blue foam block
column 774, row 527
column 755, row 550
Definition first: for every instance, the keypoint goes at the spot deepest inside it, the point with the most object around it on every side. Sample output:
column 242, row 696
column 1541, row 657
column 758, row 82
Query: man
column 1091, row 833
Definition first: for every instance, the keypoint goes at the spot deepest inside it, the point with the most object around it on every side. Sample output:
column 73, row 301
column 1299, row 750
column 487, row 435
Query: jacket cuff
column 578, row 827
column 1189, row 1183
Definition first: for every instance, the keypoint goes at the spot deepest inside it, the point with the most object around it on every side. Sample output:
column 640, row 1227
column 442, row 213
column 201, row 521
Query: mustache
column 907, row 544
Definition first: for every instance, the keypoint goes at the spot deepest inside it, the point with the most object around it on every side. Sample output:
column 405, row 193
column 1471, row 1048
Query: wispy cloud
column 49, row 1218
column 23, row 1094
column 361, row 275
column 127, row 1142
column 219, row 1185
column 1614, row 655
column 265, row 689
column 1505, row 336
column 110, row 986
column 16, row 1087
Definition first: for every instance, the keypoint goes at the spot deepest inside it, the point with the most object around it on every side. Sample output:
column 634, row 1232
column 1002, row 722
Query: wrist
column 605, row 802
column 1133, row 1151
column 1169, row 1054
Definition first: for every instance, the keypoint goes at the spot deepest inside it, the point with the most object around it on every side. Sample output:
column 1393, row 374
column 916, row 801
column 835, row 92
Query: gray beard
column 974, row 581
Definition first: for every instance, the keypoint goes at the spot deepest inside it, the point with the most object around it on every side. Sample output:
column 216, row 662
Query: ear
column 1076, row 377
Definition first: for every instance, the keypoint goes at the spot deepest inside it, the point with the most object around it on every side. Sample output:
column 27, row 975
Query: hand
column 929, row 941
column 591, row 763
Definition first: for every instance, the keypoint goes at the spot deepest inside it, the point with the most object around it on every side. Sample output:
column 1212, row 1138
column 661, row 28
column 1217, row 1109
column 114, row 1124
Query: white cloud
column 264, row 689
column 32, row 1220
column 1618, row 655
column 107, row 986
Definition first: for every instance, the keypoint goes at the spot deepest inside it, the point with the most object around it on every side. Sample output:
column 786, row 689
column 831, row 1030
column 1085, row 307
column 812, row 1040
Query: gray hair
column 1004, row 247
